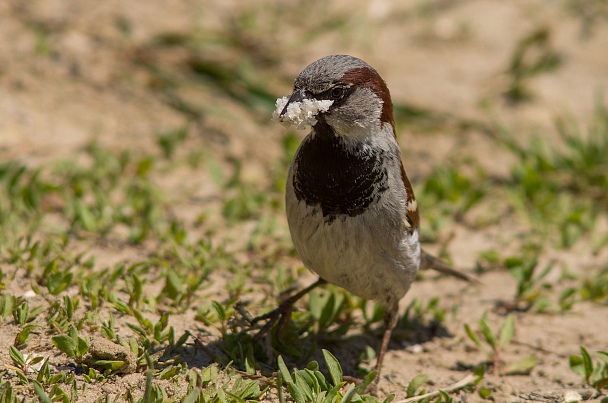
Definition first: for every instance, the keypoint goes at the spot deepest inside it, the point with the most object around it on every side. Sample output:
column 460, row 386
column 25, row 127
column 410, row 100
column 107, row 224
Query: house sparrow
column 351, row 210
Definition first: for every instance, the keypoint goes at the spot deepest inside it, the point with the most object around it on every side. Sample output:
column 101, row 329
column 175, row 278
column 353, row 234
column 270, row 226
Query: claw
column 283, row 313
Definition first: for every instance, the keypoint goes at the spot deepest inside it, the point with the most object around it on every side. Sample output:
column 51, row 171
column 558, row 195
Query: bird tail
column 428, row 261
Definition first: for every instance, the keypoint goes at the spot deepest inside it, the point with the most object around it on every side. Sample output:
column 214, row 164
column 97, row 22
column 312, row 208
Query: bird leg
column 283, row 313
column 390, row 320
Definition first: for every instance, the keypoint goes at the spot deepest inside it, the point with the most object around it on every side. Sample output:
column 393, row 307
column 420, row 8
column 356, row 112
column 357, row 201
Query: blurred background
column 125, row 71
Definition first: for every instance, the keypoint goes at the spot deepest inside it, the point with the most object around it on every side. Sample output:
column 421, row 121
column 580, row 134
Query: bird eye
column 337, row 92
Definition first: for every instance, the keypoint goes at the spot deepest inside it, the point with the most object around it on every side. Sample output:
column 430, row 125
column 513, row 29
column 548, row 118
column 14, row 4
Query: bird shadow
column 238, row 350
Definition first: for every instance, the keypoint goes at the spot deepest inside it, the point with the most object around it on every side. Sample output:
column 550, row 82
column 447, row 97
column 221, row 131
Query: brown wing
column 412, row 214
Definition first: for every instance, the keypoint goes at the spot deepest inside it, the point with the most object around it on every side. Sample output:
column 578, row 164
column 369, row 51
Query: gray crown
column 321, row 74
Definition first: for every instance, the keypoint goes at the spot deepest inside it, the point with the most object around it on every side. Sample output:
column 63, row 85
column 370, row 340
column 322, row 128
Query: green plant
column 495, row 342
column 181, row 285
column 214, row 312
column 243, row 200
column 413, row 393
column 595, row 375
column 529, row 290
column 8, row 393
column 7, row 305
column 25, row 334
column 595, row 287
column 24, row 363
column 72, row 344
column 168, row 142
column 559, row 189
column 533, row 55
column 154, row 334
column 417, row 313
column 415, row 383
column 22, row 313
column 325, row 307
column 204, row 386
column 310, row 385
column 450, row 193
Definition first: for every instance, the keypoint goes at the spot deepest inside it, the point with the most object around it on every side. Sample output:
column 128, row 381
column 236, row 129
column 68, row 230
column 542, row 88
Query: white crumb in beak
column 299, row 114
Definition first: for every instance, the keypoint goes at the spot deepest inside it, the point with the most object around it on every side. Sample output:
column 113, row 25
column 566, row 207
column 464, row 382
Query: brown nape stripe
column 413, row 216
column 368, row 78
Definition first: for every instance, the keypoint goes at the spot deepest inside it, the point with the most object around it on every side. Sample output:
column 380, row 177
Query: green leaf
column 65, row 344
column 389, row 398
column 587, row 363
column 335, row 370
column 599, row 377
column 58, row 282
column 369, row 378
column 415, row 383
column 22, row 378
column 173, row 284
column 315, row 304
column 7, row 304
column 321, row 379
column 507, row 331
column 576, row 365
column 472, row 335
column 193, row 396
column 69, row 306
column 303, row 386
column 312, row 380
column 34, row 313
column 320, row 397
column 332, row 393
column 522, row 367
column 350, row 393
column 488, row 334
column 107, row 364
column 83, row 346
column 35, row 360
column 485, row 392
column 134, row 347
column 44, row 398
column 20, row 313
column 220, row 311
column 182, row 340
column 327, row 312
column 444, row 397
column 16, row 356
column 84, row 216
column 602, row 355
column 284, row 371
column 295, row 393
column 479, row 372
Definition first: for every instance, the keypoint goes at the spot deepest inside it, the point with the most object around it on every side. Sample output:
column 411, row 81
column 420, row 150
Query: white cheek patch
column 300, row 114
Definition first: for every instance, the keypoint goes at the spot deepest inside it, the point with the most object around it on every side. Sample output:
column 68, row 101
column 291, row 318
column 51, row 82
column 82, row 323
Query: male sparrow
column 351, row 210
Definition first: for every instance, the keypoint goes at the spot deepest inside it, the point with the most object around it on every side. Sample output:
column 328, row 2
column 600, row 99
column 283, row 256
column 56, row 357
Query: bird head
column 340, row 91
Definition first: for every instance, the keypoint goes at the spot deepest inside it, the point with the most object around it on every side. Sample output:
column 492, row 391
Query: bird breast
column 346, row 209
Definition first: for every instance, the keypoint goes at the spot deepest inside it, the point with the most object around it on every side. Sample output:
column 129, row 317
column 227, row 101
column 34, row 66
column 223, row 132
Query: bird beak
column 296, row 96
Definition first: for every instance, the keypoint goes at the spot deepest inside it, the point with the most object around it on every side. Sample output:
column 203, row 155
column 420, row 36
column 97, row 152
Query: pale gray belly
column 370, row 255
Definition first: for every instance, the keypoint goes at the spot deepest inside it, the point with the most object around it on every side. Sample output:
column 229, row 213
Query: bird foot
column 282, row 315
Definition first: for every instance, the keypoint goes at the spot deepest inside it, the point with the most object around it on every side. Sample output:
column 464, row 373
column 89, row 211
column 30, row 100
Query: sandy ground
column 70, row 71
